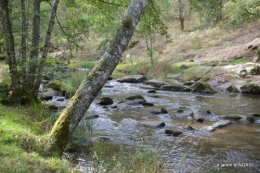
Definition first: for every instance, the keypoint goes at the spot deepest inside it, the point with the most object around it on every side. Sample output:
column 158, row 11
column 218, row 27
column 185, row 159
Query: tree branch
column 110, row 3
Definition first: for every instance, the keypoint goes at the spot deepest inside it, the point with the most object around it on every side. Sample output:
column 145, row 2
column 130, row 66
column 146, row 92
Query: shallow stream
column 235, row 148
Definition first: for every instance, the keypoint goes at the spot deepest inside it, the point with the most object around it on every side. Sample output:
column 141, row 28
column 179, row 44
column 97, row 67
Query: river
column 234, row 148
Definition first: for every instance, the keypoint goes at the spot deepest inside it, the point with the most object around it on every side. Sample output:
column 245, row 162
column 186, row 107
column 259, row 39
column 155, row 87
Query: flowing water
column 235, row 148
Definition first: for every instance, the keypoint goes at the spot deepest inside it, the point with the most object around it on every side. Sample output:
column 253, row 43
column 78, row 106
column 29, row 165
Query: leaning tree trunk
column 9, row 40
column 95, row 80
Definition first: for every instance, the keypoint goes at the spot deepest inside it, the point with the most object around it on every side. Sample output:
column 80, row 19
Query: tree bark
column 95, row 80
column 34, row 54
column 9, row 40
column 23, row 40
column 46, row 46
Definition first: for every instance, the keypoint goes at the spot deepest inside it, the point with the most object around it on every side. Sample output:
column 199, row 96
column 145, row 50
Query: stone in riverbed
column 250, row 119
column 173, row 132
column 153, row 124
column 132, row 79
column 162, row 111
column 134, row 100
column 232, row 117
column 155, row 83
column 232, row 89
column 106, row 101
column 123, row 107
column 151, row 91
column 250, row 89
column 147, row 104
column 217, row 125
column 255, row 115
column 202, row 87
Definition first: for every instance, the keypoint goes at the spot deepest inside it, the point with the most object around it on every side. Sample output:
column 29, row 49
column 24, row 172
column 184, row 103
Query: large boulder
column 194, row 73
column 132, row 79
column 250, row 89
column 202, row 87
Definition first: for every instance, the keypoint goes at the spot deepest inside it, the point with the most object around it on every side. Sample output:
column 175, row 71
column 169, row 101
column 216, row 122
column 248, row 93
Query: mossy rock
column 255, row 70
column 195, row 74
column 202, row 87
column 232, row 117
column 251, row 89
column 250, row 119
column 137, row 97
column 56, row 85
column 232, row 89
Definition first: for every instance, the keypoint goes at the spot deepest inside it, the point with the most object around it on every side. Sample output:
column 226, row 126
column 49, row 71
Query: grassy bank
column 23, row 139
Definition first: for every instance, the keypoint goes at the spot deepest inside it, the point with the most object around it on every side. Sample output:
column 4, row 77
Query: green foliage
column 72, row 82
column 210, row 11
column 239, row 12
column 4, row 90
column 56, row 85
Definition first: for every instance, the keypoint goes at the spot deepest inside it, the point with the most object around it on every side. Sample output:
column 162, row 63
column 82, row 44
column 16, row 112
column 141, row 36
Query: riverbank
column 23, row 132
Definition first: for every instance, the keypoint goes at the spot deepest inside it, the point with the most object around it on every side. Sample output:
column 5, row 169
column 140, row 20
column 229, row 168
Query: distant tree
column 209, row 10
column 150, row 25
column 239, row 12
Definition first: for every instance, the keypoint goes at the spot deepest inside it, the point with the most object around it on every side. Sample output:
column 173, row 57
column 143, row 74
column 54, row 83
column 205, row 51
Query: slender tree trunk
column 219, row 12
column 181, row 15
column 34, row 54
column 46, row 46
column 9, row 40
column 23, row 40
column 95, row 80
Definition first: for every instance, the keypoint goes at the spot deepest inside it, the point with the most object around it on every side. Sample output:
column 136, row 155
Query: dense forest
column 70, row 49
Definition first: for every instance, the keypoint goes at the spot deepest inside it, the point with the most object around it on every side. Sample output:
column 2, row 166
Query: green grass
column 23, row 138
column 72, row 82
column 83, row 64
column 239, row 61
